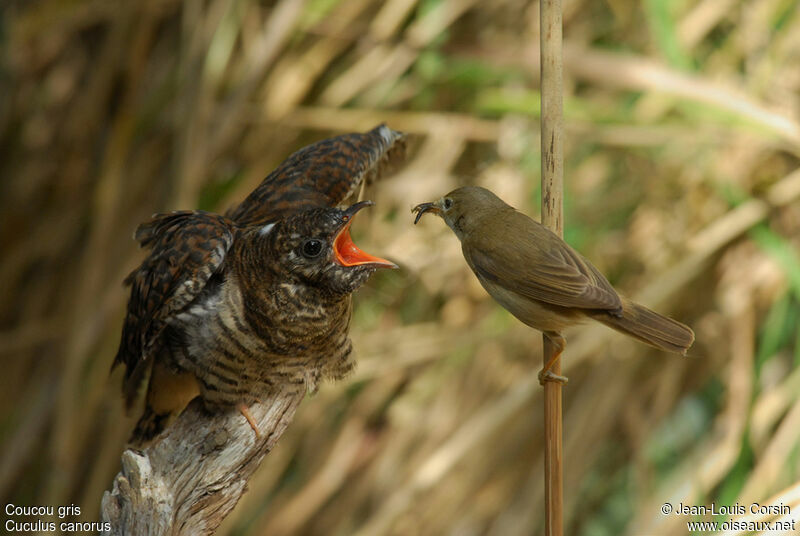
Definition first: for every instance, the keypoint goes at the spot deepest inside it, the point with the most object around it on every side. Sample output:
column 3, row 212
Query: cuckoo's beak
column 347, row 253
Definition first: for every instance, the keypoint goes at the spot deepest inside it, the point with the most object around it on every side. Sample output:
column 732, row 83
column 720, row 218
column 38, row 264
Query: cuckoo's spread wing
column 554, row 274
column 186, row 249
column 321, row 175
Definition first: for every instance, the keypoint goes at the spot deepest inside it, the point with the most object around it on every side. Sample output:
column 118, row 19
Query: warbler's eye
column 312, row 248
column 448, row 203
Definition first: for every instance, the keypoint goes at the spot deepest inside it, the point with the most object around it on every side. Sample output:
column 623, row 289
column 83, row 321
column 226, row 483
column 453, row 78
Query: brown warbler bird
column 232, row 307
column 540, row 279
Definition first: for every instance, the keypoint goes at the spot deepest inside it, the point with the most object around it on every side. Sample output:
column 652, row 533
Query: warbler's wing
column 186, row 249
column 320, row 175
column 527, row 258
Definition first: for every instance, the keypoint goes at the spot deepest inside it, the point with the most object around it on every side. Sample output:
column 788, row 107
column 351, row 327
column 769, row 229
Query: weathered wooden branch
column 193, row 475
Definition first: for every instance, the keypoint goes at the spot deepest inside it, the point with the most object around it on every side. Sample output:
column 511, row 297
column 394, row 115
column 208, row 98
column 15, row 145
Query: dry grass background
column 681, row 185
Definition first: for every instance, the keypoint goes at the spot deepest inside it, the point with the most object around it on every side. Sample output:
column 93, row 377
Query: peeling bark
column 190, row 478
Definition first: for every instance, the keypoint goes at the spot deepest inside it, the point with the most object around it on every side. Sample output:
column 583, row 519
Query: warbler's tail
column 649, row 327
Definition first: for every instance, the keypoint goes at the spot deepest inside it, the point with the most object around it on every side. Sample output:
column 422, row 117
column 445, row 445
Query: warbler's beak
column 347, row 253
column 422, row 208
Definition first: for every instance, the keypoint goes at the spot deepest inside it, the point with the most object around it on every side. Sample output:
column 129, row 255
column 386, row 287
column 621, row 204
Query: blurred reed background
column 681, row 185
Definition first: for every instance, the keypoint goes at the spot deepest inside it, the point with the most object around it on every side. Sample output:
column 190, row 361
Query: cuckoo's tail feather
column 150, row 424
column 168, row 394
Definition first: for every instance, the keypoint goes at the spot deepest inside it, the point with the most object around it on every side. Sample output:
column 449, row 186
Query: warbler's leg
column 246, row 413
column 559, row 343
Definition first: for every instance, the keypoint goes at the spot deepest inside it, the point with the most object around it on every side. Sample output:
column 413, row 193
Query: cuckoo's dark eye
column 312, row 248
column 448, row 203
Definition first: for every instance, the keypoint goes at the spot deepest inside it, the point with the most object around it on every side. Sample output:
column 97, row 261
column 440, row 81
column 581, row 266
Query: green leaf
column 661, row 19
column 782, row 251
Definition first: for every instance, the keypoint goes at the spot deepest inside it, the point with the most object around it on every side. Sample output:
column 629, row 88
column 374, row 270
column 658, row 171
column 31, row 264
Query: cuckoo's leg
column 246, row 413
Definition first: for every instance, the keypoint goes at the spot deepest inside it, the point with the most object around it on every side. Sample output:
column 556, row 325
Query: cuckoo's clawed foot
column 246, row 413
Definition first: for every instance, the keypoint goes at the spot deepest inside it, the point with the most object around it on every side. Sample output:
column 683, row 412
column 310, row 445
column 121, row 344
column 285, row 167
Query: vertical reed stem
column 552, row 200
